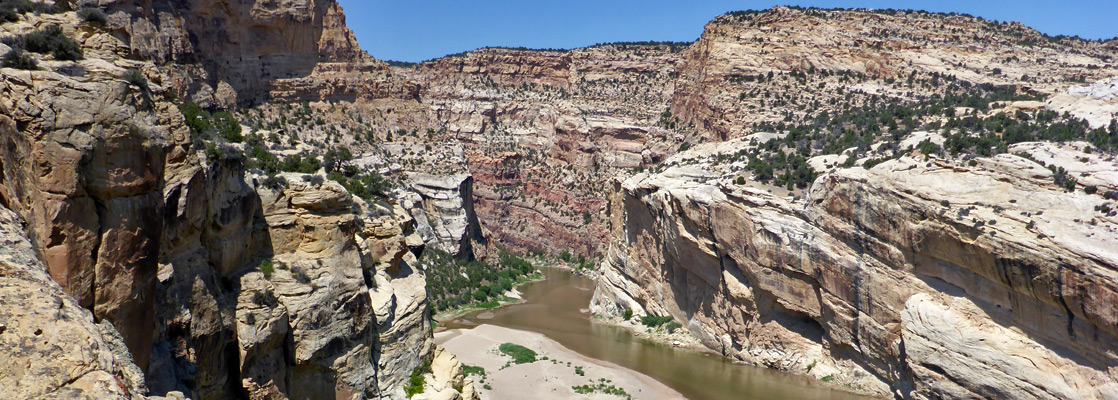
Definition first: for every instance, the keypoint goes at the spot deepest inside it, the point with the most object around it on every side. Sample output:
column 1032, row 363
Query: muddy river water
column 556, row 308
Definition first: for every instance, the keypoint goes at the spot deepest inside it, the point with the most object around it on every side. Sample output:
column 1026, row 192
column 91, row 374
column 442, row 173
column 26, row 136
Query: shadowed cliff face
column 925, row 279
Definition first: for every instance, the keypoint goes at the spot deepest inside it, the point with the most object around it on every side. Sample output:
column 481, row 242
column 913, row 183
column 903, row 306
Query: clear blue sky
column 411, row 30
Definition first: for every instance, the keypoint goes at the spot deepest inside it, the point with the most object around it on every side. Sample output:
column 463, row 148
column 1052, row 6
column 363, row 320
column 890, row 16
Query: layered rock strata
column 443, row 209
column 920, row 278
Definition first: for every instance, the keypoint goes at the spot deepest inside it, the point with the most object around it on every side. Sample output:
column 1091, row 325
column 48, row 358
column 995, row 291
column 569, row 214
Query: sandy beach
column 553, row 378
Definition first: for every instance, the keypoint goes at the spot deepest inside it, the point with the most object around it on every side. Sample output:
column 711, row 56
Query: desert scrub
column 93, row 16
column 604, row 386
column 519, row 354
column 18, row 59
column 266, row 267
column 136, row 78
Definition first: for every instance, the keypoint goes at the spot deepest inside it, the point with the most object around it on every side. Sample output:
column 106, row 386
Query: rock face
column 51, row 346
column 241, row 52
column 543, row 131
column 166, row 243
column 443, row 209
column 924, row 279
column 735, row 47
column 87, row 180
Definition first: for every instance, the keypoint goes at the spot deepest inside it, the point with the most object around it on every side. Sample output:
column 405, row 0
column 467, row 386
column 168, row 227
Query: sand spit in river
column 543, row 379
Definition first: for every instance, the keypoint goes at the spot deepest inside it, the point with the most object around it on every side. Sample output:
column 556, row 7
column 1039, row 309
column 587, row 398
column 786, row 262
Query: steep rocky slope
column 920, row 277
column 222, row 283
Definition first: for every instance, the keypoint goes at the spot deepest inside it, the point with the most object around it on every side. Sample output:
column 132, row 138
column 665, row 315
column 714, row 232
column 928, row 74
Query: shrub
column 50, row 40
column 93, row 16
column 416, row 381
column 274, row 182
column 197, row 119
column 8, row 15
column 473, row 370
column 627, row 314
column 265, row 299
column 228, row 127
column 653, row 321
column 25, row 6
column 267, row 268
column 672, row 326
column 1091, row 189
column 519, row 354
column 136, row 78
column 300, row 276
column 18, row 59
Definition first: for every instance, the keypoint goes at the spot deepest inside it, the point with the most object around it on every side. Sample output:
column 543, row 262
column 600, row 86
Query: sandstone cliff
column 920, row 278
column 52, row 348
column 443, row 208
column 221, row 283
column 543, row 128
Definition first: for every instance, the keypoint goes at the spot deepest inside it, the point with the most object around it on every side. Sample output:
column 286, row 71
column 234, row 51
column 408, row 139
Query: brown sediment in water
column 555, row 307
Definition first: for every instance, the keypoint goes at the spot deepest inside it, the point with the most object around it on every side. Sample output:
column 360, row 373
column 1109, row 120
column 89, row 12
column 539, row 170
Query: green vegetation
column 93, row 16
column 871, row 127
column 627, row 314
column 604, row 386
column 136, row 78
column 652, row 321
column 580, row 371
column 672, row 326
column 18, row 59
column 519, row 354
column 197, row 119
column 10, row 10
column 48, row 40
column 266, row 267
column 265, row 299
column 474, row 370
column 417, row 380
column 453, row 283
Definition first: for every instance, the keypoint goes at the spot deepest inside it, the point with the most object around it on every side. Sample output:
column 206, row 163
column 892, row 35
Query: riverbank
column 556, row 373
column 510, row 297
column 681, row 338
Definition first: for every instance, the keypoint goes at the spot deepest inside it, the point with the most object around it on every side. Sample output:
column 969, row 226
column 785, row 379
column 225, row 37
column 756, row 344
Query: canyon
column 901, row 203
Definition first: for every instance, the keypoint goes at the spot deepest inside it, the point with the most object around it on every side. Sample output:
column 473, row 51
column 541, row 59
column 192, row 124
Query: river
column 555, row 307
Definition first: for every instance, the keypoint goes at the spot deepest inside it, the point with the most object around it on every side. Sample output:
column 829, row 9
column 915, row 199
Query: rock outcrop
column 920, row 278
column 443, row 209
column 232, row 53
column 221, row 283
column 717, row 92
column 543, row 131
column 50, row 346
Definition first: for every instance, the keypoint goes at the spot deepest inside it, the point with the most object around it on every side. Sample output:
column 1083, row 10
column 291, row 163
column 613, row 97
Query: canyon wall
column 718, row 93
column 174, row 270
column 915, row 278
column 549, row 127
column 543, row 132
